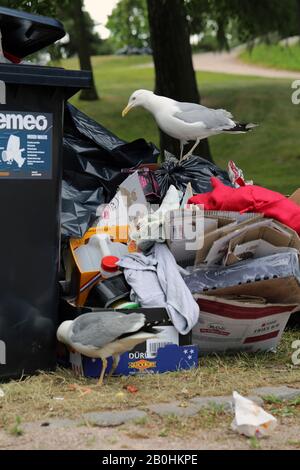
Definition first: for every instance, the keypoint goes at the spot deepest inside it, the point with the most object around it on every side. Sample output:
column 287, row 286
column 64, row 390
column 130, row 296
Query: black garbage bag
column 93, row 158
column 195, row 170
column 79, row 208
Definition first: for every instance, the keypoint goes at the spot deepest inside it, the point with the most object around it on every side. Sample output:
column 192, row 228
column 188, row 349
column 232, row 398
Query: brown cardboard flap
column 285, row 290
column 225, row 226
column 296, row 197
column 272, row 235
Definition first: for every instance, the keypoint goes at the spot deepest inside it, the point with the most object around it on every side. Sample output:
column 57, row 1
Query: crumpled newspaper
column 250, row 419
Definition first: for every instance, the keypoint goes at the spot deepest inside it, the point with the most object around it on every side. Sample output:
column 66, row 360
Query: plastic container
column 89, row 257
column 30, row 235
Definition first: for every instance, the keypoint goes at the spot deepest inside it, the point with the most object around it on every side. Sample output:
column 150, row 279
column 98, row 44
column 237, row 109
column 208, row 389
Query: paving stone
column 225, row 401
column 282, row 393
column 114, row 418
column 167, row 409
column 50, row 424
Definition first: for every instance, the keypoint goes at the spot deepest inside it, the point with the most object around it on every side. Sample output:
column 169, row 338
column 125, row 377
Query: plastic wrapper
column 194, row 170
column 93, row 159
column 204, row 278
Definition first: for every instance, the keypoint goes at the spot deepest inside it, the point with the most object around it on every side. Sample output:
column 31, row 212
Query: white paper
column 250, row 419
column 167, row 335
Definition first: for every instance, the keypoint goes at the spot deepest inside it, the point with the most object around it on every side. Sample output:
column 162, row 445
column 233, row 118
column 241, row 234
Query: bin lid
column 71, row 80
column 24, row 33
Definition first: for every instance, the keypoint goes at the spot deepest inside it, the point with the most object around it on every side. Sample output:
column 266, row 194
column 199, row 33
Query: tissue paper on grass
column 250, row 419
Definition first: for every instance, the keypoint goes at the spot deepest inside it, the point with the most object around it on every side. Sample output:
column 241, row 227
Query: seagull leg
column 191, row 151
column 181, row 150
column 116, row 360
column 104, row 366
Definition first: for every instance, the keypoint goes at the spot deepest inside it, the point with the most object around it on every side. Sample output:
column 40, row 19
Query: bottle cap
column 108, row 263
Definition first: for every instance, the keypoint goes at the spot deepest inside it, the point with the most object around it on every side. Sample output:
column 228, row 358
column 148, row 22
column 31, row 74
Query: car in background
column 129, row 50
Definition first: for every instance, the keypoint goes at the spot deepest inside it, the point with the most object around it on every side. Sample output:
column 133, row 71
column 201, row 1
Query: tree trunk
column 172, row 55
column 83, row 50
column 221, row 36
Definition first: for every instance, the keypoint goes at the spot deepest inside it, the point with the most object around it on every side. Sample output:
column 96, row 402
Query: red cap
column 108, row 263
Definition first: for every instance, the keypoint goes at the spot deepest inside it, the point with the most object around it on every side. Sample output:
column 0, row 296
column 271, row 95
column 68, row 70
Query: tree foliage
column 247, row 19
column 128, row 24
column 41, row 7
column 226, row 20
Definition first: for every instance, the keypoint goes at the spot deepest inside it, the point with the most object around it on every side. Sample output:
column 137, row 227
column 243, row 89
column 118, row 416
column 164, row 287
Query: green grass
column 274, row 55
column 270, row 155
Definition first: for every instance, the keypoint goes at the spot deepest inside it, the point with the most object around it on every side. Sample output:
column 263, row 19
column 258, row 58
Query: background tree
column 172, row 55
column 246, row 21
column 70, row 48
column 128, row 24
column 83, row 48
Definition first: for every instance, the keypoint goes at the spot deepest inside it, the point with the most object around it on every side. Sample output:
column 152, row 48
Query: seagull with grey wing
column 105, row 334
column 186, row 121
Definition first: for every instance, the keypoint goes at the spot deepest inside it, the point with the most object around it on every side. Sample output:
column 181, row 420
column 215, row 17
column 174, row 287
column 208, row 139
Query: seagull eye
column 134, row 98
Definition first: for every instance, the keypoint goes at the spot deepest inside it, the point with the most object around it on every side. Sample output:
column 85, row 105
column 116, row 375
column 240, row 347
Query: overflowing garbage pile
column 207, row 258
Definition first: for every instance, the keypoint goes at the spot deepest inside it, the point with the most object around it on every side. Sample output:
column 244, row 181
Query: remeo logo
column 27, row 122
column 142, row 364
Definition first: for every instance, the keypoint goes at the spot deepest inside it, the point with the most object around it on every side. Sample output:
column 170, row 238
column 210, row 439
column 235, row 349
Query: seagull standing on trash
column 105, row 334
column 186, row 121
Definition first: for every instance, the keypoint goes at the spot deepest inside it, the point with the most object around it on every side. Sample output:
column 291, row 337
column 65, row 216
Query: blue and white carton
column 167, row 352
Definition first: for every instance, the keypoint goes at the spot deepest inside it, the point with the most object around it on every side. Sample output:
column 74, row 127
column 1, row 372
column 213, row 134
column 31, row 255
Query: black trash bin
column 31, row 125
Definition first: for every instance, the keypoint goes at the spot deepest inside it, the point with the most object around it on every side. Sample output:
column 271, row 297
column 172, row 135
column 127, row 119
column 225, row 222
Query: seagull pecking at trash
column 186, row 121
column 105, row 334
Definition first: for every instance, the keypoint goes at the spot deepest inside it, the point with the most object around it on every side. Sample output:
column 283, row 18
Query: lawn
column 270, row 155
column 275, row 55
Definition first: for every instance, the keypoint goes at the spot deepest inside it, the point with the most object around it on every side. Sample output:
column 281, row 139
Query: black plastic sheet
column 195, row 170
column 93, row 158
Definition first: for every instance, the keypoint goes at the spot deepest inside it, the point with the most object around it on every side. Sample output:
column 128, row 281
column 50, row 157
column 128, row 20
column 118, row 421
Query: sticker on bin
column 25, row 145
column 167, row 335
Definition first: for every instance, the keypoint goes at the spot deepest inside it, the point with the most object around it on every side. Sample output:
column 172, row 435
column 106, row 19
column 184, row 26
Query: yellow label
column 142, row 364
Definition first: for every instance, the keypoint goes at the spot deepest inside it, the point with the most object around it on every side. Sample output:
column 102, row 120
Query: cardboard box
column 227, row 224
column 168, row 352
column 273, row 290
column 233, row 325
column 266, row 240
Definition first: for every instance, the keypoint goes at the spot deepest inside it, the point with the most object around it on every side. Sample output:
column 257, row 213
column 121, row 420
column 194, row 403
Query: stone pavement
column 179, row 409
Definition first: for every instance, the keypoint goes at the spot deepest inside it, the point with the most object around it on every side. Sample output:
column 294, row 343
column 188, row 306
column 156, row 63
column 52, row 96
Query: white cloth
column 156, row 282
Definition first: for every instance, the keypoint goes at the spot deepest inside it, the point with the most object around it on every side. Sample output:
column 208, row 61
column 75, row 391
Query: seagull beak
column 126, row 110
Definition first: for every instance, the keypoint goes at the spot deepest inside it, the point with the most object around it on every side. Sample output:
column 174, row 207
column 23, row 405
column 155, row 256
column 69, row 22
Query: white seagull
column 105, row 334
column 186, row 121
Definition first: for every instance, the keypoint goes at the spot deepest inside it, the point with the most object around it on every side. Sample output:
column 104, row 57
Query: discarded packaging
column 205, row 278
column 250, row 419
column 240, row 323
column 167, row 352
